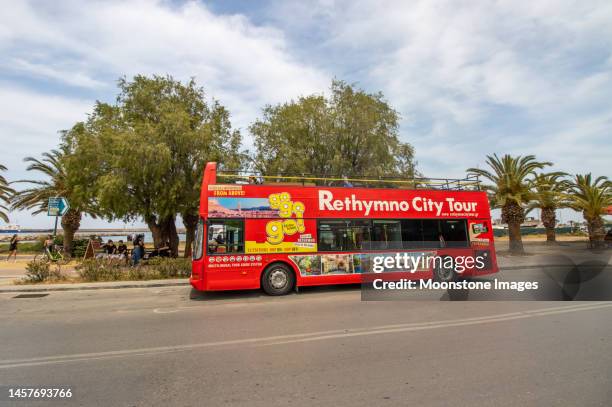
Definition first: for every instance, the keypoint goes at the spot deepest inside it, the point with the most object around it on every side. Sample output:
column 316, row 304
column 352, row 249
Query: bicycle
column 54, row 256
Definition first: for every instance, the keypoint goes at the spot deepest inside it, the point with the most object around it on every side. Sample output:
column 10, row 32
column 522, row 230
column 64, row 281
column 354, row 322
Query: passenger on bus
column 442, row 240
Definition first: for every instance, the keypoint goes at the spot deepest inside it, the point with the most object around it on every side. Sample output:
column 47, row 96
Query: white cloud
column 55, row 51
column 468, row 78
column 30, row 122
column 232, row 58
column 479, row 77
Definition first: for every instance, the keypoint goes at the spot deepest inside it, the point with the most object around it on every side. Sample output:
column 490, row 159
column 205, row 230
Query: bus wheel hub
column 278, row 279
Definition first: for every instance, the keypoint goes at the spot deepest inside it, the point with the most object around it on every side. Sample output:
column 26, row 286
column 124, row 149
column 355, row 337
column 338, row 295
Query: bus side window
column 412, row 233
column 343, row 235
column 431, row 233
column 454, row 232
column 386, row 234
column 198, row 242
column 225, row 236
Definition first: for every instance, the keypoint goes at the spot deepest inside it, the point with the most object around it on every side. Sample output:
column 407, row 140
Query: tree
column 512, row 179
column 548, row 194
column 351, row 133
column 36, row 197
column 5, row 195
column 218, row 142
column 148, row 150
column 591, row 197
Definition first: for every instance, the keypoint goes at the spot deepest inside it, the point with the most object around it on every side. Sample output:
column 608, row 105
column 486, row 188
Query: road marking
column 304, row 337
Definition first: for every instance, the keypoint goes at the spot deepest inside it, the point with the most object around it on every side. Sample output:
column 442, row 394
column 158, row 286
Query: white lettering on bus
column 427, row 205
column 419, row 204
column 460, row 206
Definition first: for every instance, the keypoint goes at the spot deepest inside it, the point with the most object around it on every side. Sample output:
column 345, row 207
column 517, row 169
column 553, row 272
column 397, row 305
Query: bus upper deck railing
column 469, row 183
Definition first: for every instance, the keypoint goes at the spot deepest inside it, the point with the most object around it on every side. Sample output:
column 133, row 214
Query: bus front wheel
column 277, row 279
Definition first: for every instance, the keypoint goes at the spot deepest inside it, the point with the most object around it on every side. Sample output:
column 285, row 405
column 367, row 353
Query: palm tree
column 511, row 190
column 549, row 195
column 37, row 196
column 5, row 195
column 591, row 197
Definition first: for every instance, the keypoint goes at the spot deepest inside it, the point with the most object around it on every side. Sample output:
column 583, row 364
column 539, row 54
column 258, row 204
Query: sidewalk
column 94, row 286
column 538, row 255
column 11, row 271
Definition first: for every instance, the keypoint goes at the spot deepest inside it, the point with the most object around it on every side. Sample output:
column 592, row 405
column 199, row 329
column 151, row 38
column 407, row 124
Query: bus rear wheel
column 444, row 272
column 277, row 279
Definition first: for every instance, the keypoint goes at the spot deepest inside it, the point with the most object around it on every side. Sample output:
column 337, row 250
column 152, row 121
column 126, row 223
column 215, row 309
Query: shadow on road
column 196, row 295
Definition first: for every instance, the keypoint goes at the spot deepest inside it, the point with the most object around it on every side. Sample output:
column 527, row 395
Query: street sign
column 58, row 206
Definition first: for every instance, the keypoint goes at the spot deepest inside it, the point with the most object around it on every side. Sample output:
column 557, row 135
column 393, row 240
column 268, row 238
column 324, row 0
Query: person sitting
column 122, row 250
column 108, row 250
column 138, row 252
column 164, row 250
column 220, row 243
column 110, row 247
column 212, row 245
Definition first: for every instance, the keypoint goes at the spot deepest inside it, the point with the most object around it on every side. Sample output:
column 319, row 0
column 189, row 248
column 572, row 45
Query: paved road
column 148, row 347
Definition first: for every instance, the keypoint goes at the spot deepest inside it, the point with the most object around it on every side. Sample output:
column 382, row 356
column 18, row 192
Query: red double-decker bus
column 282, row 235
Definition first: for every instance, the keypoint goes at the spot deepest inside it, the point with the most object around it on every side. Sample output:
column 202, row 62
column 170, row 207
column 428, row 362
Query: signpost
column 58, row 206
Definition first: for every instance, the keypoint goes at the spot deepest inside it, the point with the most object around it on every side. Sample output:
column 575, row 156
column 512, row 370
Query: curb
column 18, row 289
column 172, row 283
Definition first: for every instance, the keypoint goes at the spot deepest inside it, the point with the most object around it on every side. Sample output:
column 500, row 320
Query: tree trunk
column 516, row 240
column 191, row 223
column 170, row 235
column 164, row 231
column 155, row 229
column 513, row 214
column 549, row 220
column 71, row 222
column 597, row 232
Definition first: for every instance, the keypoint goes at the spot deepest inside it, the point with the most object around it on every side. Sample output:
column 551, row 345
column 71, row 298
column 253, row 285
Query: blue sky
column 469, row 78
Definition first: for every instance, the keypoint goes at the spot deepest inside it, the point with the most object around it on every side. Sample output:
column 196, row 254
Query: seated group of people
column 120, row 251
column 112, row 251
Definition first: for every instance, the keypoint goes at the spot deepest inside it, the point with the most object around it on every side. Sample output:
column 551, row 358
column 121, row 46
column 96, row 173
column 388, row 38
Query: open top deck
column 469, row 183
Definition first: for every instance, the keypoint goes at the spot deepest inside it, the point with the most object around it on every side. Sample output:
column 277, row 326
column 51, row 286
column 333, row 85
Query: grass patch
column 23, row 247
column 41, row 271
column 154, row 269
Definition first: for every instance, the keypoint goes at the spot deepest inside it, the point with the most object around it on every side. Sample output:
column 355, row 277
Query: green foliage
column 512, row 178
column 24, row 247
column 590, row 196
column 59, row 181
column 78, row 248
column 113, row 270
column 351, row 133
column 149, row 149
column 548, row 191
column 36, row 197
column 5, row 195
column 143, row 157
column 170, row 268
column 40, row 271
column 511, row 190
column 100, row 270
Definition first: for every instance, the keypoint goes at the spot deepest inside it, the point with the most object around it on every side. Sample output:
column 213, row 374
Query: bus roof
column 469, row 183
